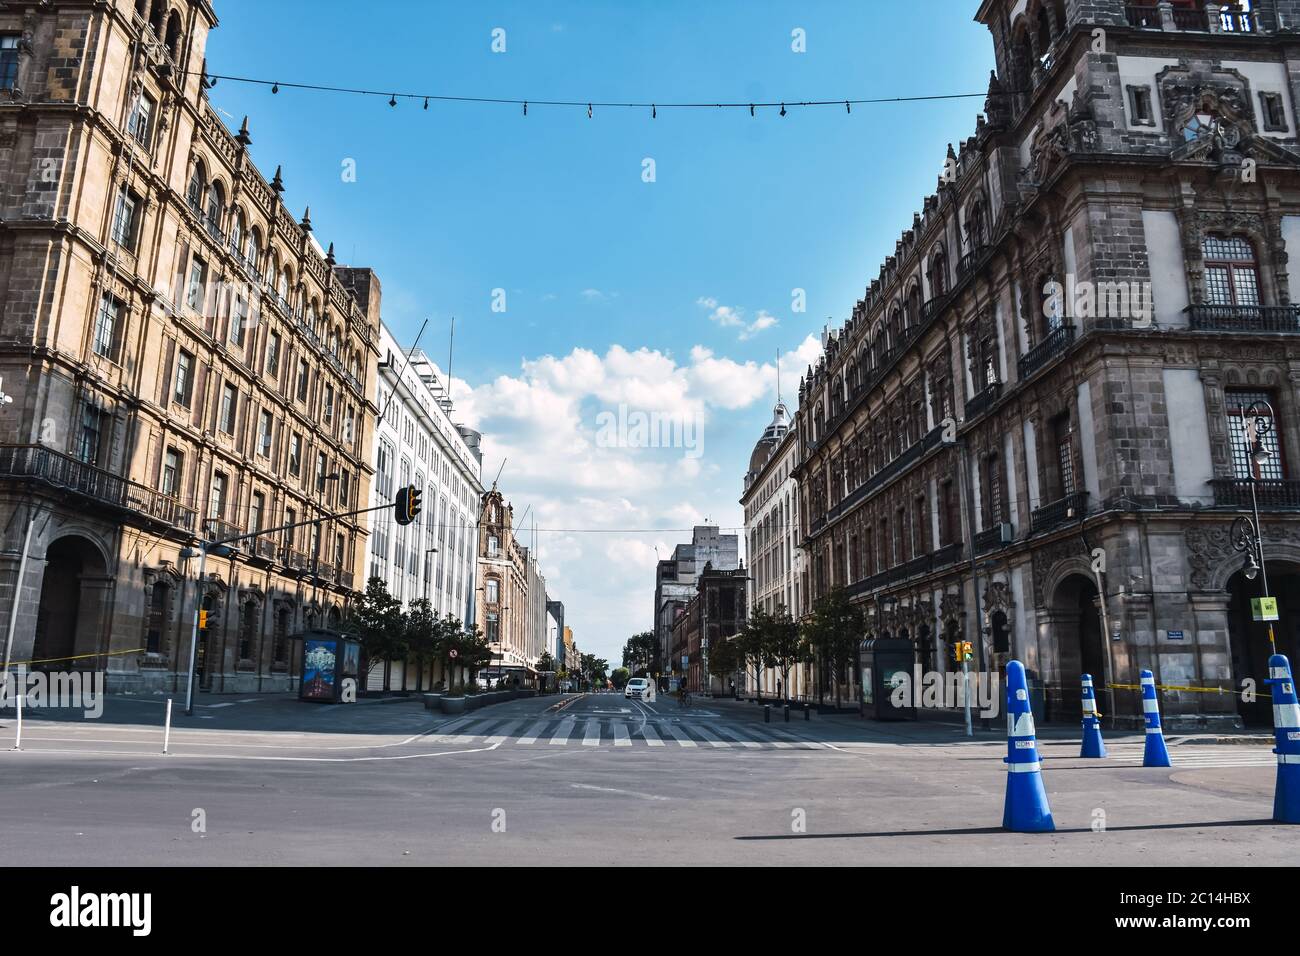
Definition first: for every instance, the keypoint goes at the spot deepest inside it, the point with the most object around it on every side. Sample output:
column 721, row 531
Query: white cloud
column 728, row 316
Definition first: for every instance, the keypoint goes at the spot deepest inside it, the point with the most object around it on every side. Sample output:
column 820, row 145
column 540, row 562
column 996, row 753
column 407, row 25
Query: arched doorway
column 71, row 609
column 1249, row 638
column 1078, row 640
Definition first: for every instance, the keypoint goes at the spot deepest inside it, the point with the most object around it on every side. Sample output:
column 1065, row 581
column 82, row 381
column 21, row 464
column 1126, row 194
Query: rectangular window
column 264, row 434
column 184, row 378
column 345, row 487
column 493, row 591
column 1065, row 458
column 295, row 455
column 106, row 326
column 302, row 379
column 492, row 545
column 197, row 290
column 273, row 355
column 238, row 320
column 329, row 404
column 493, row 629
column 8, row 61
column 320, row 472
column 229, row 401
column 173, row 462
column 255, row 509
column 89, row 435
column 217, row 497
column 1236, row 403
column 1139, row 102
column 124, row 218
column 1271, row 107
column 140, row 124
column 290, row 534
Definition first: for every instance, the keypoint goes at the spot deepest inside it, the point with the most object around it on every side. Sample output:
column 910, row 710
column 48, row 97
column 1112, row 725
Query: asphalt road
column 598, row 779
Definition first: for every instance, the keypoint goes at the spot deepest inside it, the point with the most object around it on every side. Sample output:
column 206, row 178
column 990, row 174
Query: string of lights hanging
column 211, row 79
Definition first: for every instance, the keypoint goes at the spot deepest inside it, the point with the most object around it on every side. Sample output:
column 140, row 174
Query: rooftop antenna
column 778, row 376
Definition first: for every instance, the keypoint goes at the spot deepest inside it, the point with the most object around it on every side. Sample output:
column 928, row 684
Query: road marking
column 533, row 733
column 592, row 736
column 798, row 740
column 651, row 738
column 503, row 732
column 630, row 793
column 562, row 732
column 732, row 735
column 621, row 738
column 682, row 739
column 713, row 741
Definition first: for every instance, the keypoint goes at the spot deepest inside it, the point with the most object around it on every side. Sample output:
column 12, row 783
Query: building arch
column 72, row 613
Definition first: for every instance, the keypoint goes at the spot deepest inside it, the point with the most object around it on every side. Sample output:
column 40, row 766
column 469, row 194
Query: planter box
column 452, row 705
column 432, row 701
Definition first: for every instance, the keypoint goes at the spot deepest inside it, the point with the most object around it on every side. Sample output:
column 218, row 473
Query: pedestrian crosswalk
column 1184, row 758
column 619, row 733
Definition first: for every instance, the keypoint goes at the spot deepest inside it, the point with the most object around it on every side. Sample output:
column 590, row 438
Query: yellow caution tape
column 1194, row 690
column 76, row 657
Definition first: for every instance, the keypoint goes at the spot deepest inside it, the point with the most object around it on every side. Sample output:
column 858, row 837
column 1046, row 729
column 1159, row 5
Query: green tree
column 546, row 662
column 641, row 653
column 784, row 646
column 421, row 636
column 620, row 677
column 725, row 658
column 375, row 619
column 832, row 633
column 461, row 647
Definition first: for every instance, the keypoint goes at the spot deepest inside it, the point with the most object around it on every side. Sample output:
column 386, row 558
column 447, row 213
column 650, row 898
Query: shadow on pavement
column 982, row 831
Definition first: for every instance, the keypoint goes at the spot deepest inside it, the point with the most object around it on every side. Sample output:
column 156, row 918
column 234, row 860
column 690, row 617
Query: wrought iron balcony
column 266, row 548
column 297, row 560
column 1144, row 16
column 948, row 554
column 57, row 470
column 1244, row 318
column 1191, row 19
column 345, row 578
column 216, row 529
column 1271, row 493
column 932, row 307
column 981, row 403
column 1055, row 342
column 990, row 539
column 966, row 264
column 1059, row 512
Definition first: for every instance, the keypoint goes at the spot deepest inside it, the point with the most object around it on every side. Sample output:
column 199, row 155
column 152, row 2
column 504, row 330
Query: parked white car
column 639, row 688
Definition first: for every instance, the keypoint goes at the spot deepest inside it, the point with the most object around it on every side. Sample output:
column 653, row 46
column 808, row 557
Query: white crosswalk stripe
column 714, row 741
column 503, row 733
column 592, row 736
column 682, row 739
column 530, row 736
column 621, row 738
column 732, row 735
column 562, row 732
column 651, row 738
column 800, row 741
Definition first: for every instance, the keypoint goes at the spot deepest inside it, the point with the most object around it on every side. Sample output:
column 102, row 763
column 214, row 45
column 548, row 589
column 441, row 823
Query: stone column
column 1166, row 15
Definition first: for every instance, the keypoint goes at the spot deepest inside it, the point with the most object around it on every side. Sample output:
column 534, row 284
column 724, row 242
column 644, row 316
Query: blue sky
column 672, row 295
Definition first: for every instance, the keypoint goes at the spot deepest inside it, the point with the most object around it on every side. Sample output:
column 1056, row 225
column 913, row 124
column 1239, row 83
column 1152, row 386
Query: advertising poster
column 318, row 670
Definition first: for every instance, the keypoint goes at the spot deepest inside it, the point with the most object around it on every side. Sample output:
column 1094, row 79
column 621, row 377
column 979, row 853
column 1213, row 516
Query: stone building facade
column 771, row 505
column 676, row 584
column 183, row 357
column 505, row 613
column 1032, row 422
column 716, row 612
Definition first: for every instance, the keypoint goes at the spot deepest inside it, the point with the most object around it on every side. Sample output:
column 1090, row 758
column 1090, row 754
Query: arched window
column 1052, row 299
column 236, row 231
column 1231, row 271
column 914, row 306
column 975, row 226
column 253, row 253
column 334, row 343
column 173, row 40
column 156, row 624
column 156, row 14
column 198, row 186
column 282, row 286
column 248, row 630
column 280, row 640
column 938, row 274
column 216, row 202
column 895, row 327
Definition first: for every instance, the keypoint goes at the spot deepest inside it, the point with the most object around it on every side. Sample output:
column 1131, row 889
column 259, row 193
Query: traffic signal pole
column 411, row 508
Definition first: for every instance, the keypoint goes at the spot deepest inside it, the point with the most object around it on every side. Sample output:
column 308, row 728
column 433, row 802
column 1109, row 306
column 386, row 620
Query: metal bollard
column 18, row 735
column 167, row 726
column 767, row 713
column 786, row 709
column 807, row 714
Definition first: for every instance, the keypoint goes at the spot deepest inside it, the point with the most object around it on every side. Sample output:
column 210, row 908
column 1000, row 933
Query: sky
column 621, row 284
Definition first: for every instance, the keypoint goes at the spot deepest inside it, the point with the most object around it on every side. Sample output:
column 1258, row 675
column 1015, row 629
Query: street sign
column 1263, row 609
column 453, row 653
column 1174, row 635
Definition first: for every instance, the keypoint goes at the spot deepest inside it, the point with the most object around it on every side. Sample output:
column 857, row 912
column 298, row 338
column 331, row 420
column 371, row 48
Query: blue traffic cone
column 1092, row 743
column 1026, row 809
column 1156, row 754
column 1286, row 729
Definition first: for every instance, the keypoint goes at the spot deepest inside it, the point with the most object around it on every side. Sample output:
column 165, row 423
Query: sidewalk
column 942, row 726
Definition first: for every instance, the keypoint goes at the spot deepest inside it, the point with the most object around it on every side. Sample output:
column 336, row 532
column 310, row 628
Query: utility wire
column 590, row 105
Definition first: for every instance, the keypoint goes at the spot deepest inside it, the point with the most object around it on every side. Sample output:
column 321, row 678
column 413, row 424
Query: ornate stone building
column 505, row 613
column 1043, row 388
column 183, row 358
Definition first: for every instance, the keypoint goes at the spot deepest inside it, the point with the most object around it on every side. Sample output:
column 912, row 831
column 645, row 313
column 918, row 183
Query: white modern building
column 418, row 443
column 771, row 504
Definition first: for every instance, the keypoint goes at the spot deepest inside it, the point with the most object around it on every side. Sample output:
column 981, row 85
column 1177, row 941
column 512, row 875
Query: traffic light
column 203, row 620
column 962, row 651
column 407, row 504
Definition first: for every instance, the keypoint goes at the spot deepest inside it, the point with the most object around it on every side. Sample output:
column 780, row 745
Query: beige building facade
column 184, row 361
